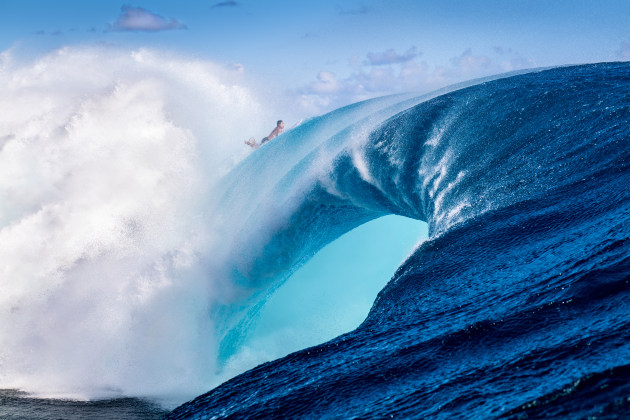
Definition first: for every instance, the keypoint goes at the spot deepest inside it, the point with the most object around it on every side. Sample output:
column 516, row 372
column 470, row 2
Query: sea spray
column 108, row 160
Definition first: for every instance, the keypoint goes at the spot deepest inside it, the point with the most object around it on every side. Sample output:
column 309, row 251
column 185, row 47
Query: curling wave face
column 520, row 295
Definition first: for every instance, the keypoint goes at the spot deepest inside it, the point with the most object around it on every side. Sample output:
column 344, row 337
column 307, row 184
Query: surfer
column 275, row 132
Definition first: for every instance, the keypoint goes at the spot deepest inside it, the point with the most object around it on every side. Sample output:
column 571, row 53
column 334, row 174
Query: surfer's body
column 274, row 133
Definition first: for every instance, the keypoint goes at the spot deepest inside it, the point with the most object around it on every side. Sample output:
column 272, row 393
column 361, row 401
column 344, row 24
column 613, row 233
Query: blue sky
column 323, row 54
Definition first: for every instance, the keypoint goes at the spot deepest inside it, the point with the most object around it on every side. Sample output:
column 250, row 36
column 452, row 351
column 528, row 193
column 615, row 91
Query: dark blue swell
column 519, row 303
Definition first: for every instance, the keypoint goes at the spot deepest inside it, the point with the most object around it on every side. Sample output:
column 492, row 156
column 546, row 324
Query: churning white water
column 107, row 160
column 114, row 263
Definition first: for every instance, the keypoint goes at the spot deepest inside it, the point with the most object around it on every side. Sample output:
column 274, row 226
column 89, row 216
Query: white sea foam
column 107, row 163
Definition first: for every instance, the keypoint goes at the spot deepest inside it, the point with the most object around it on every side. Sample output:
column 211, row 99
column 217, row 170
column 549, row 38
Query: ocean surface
column 459, row 254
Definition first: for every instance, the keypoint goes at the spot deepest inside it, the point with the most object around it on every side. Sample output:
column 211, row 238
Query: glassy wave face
column 518, row 303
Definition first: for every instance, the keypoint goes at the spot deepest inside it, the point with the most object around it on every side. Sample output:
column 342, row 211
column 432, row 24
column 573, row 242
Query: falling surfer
column 277, row 130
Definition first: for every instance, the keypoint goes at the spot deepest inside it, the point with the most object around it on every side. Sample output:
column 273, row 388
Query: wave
column 523, row 283
column 140, row 241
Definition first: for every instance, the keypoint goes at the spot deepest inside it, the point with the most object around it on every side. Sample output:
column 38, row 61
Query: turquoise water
column 333, row 292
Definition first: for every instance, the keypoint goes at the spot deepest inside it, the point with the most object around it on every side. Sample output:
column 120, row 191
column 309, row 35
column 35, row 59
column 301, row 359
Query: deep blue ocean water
column 15, row 405
column 517, row 306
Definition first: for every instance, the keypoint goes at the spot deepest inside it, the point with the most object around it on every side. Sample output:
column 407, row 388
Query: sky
column 314, row 56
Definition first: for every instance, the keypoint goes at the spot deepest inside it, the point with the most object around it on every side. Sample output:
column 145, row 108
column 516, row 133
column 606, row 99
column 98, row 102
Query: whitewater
column 125, row 246
column 143, row 247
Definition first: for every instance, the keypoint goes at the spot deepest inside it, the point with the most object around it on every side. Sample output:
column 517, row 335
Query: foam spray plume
column 107, row 160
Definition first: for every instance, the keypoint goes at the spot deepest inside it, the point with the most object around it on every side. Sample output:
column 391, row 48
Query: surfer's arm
column 274, row 133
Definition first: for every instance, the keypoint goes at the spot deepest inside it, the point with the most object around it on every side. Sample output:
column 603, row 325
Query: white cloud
column 140, row 19
column 389, row 72
column 467, row 62
column 326, row 83
column 391, row 57
column 359, row 10
column 225, row 4
column 512, row 60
